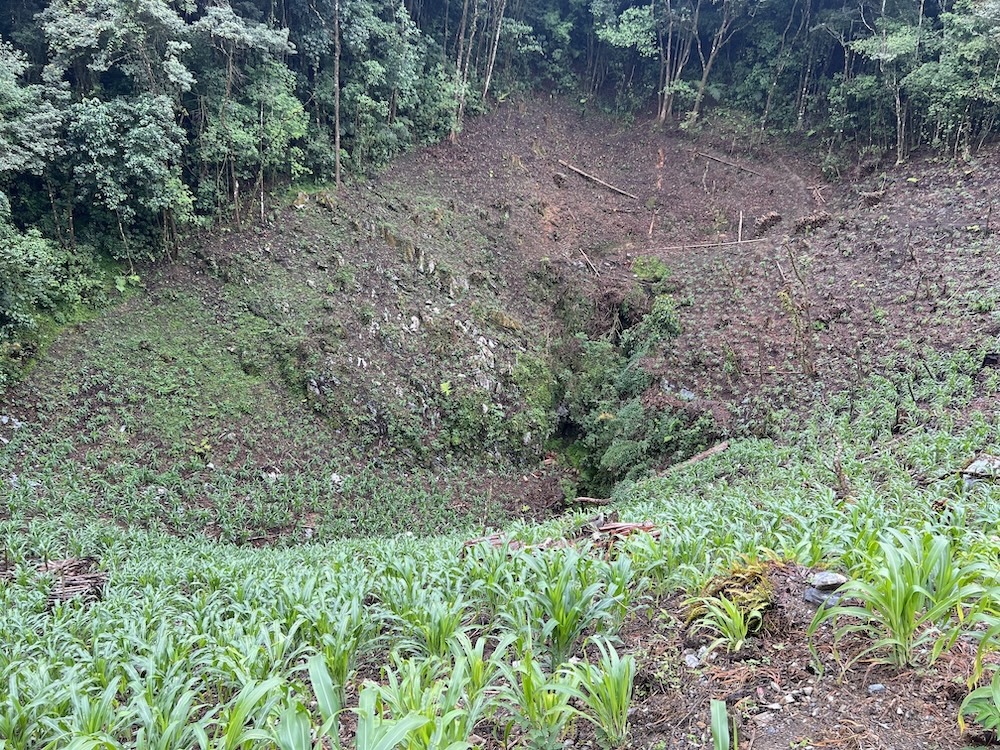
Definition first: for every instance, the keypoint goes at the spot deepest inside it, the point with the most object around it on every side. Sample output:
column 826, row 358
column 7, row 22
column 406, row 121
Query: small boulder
column 984, row 466
column 827, row 580
column 821, row 598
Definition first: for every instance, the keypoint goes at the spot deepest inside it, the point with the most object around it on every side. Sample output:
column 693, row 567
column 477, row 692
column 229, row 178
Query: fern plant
column 725, row 619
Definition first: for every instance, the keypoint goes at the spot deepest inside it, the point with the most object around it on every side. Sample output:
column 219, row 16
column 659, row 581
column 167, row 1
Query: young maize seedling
column 605, row 690
column 538, row 703
column 917, row 589
column 724, row 618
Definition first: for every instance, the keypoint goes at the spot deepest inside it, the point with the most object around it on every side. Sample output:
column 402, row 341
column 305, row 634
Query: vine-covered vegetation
column 124, row 121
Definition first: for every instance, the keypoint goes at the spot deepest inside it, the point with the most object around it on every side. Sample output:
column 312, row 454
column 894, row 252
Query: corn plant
column 421, row 689
column 166, row 710
column 26, row 709
column 566, row 597
column 244, row 720
column 377, row 733
column 429, row 625
column 917, row 587
column 720, row 726
column 330, row 698
column 624, row 585
column 983, row 704
column 294, row 730
column 495, row 572
column 344, row 638
column 100, row 719
column 724, row 618
column 482, row 672
column 605, row 690
column 538, row 703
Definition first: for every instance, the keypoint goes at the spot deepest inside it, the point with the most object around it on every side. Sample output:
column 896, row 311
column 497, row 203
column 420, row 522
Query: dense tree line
column 122, row 121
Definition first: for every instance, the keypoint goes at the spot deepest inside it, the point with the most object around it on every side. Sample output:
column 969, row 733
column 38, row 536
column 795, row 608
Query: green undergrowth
column 380, row 345
column 161, row 424
column 230, row 627
column 72, row 295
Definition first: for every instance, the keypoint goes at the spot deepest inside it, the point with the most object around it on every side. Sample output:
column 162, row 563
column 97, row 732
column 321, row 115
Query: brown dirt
column 814, row 304
column 777, row 696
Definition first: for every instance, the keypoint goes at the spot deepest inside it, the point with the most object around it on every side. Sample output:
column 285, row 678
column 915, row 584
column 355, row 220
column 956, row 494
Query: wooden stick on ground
column 589, row 501
column 710, row 244
column 697, row 459
column 590, row 263
column 599, row 181
column 728, row 163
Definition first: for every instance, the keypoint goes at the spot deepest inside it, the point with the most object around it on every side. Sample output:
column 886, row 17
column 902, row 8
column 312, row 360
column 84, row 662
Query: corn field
column 421, row 643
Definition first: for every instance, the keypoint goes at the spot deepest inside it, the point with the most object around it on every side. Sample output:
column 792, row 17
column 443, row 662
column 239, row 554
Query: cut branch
column 708, row 244
column 728, row 163
column 697, row 459
column 590, row 263
column 599, row 501
column 599, row 181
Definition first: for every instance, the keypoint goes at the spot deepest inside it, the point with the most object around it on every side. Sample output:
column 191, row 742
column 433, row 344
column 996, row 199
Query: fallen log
column 697, row 459
column 599, row 181
column 729, row 163
column 603, row 537
column 589, row 501
column 694, row 245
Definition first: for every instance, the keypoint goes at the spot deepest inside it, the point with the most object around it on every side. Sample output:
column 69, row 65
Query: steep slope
column 399, row 356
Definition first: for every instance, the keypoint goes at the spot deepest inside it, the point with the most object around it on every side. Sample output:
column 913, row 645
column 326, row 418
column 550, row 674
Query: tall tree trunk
column 676, row 53
column 493, row 50
column 464, row 68
column 336, row 89
column 719, row 40
column 782, row 60
column 460, row 44
column 260, row 167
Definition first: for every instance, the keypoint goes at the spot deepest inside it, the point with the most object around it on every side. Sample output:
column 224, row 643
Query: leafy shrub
column 28, row 277
column 662, row 324
column 650, row 268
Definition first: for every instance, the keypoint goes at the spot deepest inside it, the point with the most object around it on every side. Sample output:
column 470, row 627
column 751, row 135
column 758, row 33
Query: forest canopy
column 123, row 121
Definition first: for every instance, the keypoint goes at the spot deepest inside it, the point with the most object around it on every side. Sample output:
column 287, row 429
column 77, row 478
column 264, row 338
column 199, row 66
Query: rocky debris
column 821, row 598
column 762, row 719
column 765, row 222
column 691, row 661
column 11, row 422
column 811, row 222
column 982, row 468
column 876, row 688
column 823, row 588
